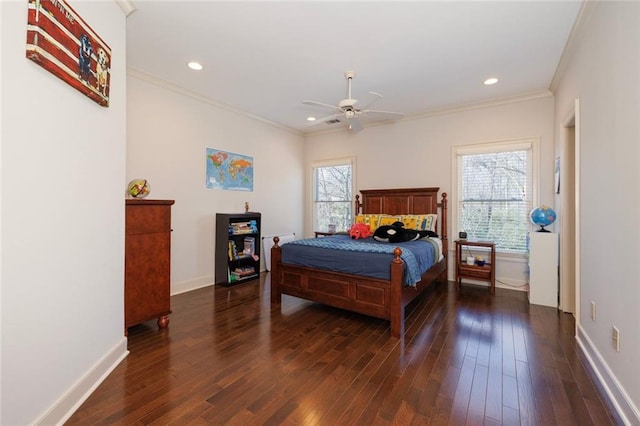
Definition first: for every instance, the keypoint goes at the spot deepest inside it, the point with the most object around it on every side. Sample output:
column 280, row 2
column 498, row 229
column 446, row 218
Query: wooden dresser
column 147, row 261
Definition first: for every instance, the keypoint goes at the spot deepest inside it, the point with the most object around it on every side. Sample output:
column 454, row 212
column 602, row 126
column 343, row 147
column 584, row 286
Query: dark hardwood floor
column 228, row 357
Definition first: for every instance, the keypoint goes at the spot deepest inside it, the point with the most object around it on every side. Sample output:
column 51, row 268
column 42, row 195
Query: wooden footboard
column 369, row 296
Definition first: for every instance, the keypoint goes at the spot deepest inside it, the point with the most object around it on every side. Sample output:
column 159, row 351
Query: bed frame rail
column 368, row 296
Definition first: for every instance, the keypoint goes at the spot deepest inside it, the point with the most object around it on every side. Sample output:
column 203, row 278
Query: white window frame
column 328, row 163
column 532, row 144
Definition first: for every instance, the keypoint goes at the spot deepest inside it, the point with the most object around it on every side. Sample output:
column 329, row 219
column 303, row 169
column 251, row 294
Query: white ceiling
column 266, row 57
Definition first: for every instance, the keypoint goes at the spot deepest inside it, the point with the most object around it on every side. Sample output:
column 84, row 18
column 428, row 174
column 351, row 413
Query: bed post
column 276, row 258
column 444, row 275
column 397, row 310
column 443, row 225
column 358, row 205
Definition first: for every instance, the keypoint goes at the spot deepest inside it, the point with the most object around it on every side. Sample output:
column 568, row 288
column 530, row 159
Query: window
column 495, row 183
column 333, row 194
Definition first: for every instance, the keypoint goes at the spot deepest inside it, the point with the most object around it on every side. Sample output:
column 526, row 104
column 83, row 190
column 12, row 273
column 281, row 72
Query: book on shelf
column 242, row 228
column 241, row 272
column 232, row 250
column 234, row 254
column 249, row 246
column 248, row 250
column 248, row 227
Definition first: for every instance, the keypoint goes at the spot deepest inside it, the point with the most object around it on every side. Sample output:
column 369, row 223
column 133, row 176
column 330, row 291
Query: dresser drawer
column 474, row 271
column 147, row 218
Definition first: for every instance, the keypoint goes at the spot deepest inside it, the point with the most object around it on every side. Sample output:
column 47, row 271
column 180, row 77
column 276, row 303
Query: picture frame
column 557, row 175
column 61, row 42
column 228, row 170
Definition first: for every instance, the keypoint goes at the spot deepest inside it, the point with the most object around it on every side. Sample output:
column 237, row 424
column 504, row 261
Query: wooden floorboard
column 229, row 357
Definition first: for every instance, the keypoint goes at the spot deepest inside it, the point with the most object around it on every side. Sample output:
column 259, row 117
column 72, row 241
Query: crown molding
column 432, row 113
column 575, row 36
column 177, row 89
column 127, row 6
column 529, row 96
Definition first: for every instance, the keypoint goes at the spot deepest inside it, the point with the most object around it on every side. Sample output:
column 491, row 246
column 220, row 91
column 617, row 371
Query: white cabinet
column 543, row 268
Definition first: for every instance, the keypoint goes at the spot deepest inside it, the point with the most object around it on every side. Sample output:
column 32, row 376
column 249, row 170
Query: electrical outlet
column 616, row 338
column 593, row 310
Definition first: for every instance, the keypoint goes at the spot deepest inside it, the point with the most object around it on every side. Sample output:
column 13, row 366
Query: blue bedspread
column 365, row 256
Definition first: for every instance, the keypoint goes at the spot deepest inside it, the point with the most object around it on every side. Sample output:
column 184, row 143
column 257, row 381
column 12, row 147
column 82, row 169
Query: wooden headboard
column 405, row 201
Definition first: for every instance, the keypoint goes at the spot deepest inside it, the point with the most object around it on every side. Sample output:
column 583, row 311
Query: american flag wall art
column 62, row 43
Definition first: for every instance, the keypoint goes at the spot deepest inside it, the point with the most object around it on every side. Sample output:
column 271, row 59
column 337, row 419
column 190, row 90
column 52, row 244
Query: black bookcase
column 237, row 253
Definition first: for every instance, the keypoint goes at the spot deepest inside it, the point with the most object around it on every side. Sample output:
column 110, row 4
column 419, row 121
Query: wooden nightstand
column 475, row 272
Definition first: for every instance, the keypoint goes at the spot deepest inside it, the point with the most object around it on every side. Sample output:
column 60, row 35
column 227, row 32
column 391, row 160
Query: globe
column 542, row 216
column 138, row 188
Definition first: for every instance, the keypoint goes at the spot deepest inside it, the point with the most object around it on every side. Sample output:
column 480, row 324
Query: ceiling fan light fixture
column 347, row 112
column 490, row 81
column 196, row 66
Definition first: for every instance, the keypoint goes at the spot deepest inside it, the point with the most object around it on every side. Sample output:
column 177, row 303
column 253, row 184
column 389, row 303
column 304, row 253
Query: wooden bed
column 369, row 296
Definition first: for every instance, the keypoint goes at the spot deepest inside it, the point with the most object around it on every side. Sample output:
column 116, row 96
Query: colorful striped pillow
column 368, row 219
column 386, row 219
column 420, row 222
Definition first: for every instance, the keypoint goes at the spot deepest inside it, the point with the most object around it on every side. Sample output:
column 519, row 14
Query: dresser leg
column 163, row 321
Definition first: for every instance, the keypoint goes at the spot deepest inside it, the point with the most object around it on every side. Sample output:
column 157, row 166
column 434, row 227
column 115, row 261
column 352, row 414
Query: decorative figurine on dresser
column 147, row 261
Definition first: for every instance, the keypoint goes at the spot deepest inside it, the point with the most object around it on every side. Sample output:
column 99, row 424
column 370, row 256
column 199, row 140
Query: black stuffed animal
column 396, row 233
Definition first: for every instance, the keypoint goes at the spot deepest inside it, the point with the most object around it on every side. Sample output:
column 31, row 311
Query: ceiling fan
column 347, row 112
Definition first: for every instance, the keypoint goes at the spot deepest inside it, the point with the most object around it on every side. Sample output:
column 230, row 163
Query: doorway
column 568, row 198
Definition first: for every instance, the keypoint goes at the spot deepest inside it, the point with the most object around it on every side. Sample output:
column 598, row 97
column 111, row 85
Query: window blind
column 494, row 196
column 333, row 195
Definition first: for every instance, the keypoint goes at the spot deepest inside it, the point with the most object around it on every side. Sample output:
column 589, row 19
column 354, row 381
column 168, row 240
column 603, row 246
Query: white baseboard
column 509, row 284
column 80, row 391
column 624, row 406
column 184, row 286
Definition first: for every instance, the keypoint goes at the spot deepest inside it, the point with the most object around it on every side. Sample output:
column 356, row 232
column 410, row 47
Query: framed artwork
column 557, row 175
column 63, row 44
column 226, row 170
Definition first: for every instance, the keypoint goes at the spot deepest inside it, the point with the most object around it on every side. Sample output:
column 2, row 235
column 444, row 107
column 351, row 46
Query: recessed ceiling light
column 490, row 81
column 311, row 119
column 195, row 66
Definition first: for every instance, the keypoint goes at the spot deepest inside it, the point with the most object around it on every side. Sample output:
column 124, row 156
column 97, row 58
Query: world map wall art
column 63, row 44
column 226, row 170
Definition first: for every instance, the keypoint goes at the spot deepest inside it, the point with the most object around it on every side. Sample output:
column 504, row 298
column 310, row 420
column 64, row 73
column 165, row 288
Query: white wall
column 604, row 73
column 416, row 153
column 168, row 131
column 62, row 251
column 63, row 163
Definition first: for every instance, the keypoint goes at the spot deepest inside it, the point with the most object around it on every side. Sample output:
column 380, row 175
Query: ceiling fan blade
column 390, row 114
column 314, row 103
column 324, row 119
column 355, row 125
column 373, row 98
column 346, row 110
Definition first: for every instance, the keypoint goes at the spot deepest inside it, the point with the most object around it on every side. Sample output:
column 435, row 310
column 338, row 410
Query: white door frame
column 577, row 211
column 567, row 282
